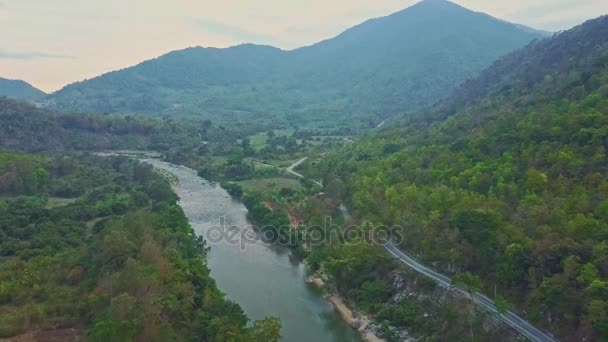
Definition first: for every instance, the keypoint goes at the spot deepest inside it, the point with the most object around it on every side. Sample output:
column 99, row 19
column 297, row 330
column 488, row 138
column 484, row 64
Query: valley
column 356, row 79
column 243, row 265
column 436, row 174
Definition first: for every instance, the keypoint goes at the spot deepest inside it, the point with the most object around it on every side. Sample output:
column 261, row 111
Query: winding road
column 296, row 164
column 520, row 325
column 524, row 328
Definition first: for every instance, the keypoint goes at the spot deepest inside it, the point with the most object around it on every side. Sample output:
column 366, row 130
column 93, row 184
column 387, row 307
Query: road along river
column 266, row 280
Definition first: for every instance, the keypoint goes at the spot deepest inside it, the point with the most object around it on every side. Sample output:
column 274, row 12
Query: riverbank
column 274, row 282
column 360, row 323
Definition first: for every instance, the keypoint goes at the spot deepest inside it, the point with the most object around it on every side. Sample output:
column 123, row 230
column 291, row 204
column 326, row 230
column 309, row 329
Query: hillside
column 552, row 68
column 27, row 128
column 506, row 179
column 24, row 127
column 98, row 249
column 384, row 66
column 21, row 90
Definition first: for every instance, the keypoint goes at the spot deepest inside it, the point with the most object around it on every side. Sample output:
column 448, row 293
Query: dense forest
column 384, row 66
column 502, row 184
column 27, row 128
column 511, row 187
column 98, row 248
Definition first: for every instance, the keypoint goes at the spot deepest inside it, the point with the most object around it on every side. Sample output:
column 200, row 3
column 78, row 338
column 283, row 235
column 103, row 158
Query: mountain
column 548, row 69
column 506, row 178
column 384, row 66
column 21, row 90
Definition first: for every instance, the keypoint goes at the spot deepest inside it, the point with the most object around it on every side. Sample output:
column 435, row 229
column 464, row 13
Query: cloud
column 237, row 33
column 31, row 55
column 300, row 30
column 554, row 15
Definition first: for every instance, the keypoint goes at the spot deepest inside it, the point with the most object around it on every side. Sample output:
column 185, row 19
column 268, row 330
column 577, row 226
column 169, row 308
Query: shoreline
column 360, row 324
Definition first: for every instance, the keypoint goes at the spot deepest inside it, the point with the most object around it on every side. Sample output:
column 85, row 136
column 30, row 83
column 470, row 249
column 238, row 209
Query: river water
column 265, row 280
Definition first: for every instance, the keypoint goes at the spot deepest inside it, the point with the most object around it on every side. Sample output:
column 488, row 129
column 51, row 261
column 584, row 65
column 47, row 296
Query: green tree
column 501, row 304
column 40, row 178
column 468, row 281
column 588, row 274
column 267, row 330
column 597, row 311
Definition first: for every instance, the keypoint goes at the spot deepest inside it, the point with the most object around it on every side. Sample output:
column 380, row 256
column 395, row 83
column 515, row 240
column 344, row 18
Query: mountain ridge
column 504, row 183
column 19, row 89
column 378, row 68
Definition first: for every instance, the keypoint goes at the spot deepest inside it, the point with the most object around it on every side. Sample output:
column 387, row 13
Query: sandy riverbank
column 362, row 323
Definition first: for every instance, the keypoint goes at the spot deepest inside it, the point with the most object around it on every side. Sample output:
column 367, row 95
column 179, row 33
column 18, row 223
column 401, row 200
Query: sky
column 54, row 43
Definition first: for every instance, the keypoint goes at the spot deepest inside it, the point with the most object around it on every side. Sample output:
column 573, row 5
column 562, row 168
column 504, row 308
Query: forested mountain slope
column 547, row 69
column 508, row 179
column 384, row 66
column 24, row 127
column 98, row 249
column 21, row 90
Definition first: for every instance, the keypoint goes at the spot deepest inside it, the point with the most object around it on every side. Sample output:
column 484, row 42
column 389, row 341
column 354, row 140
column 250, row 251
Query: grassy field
column 220, row 160
column 55, row 202
column 258, row 141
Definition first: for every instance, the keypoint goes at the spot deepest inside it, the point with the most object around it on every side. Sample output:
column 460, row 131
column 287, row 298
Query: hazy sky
column 53, row 43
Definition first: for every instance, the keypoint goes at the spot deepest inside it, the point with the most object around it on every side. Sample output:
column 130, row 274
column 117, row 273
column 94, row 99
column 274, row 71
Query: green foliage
column 40, row 177
column 268, row 217
column 361, row 271
column 27, row 128
column 501, row 304
column 267, row 330
column 233, row 189
column 468, row 281
column 114, row 331
column 120, row 263
column 410, row 314
column 510, row 189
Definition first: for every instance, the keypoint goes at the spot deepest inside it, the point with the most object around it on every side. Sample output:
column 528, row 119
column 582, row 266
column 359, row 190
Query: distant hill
column 21, row 90
column 506, row 178
column 24, row 127
column 387, row 65
column 563, row 67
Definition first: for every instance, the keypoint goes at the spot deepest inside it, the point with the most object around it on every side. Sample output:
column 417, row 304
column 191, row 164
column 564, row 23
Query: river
column 265, row 280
